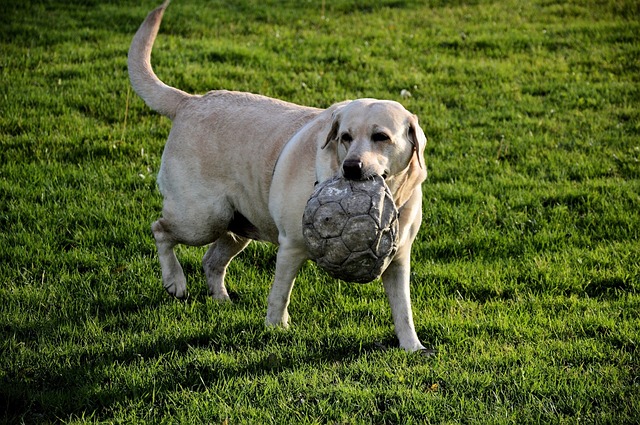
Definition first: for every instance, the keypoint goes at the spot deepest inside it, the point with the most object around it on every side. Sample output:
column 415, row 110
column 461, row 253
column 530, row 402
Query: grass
column 526, row 272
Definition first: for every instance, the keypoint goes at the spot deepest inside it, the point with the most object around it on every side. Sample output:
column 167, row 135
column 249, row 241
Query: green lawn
column 526, row 272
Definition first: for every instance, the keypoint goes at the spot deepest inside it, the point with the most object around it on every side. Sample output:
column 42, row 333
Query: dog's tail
column 159, row 96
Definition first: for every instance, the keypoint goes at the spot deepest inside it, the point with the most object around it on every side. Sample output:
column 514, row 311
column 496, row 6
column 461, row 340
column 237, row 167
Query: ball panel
column 329, row 220
column 381, row 213
column 315, row 243
column 336, row 252
column 357, row 234
column 361, row 267
column 312, row 205
column 333, row 193
column 372, row 186
column 389, row 215
column 385, row 244
column 356, row 204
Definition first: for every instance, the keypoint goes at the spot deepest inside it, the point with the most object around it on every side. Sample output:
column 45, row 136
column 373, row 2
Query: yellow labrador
column 238, row 166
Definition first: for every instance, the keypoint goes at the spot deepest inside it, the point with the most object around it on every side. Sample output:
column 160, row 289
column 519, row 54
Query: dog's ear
column 417, row 138
column 335, row 123
column 333, row 132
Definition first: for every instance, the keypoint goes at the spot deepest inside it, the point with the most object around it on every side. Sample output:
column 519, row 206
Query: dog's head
column 369, row 137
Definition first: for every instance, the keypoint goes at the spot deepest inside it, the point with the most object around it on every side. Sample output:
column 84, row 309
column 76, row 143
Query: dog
column 239, row 167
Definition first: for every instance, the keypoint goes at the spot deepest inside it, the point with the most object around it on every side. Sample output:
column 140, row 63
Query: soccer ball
column 351, row 228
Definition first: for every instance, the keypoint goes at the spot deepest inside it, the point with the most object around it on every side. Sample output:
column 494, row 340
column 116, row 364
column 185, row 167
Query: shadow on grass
column 93, row 381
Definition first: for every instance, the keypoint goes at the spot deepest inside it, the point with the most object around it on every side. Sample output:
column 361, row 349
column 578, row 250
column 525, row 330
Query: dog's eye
column 346, row 138
column 380, row 137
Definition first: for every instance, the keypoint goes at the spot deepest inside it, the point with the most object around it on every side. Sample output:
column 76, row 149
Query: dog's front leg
column 396, row 285
column 288, row 262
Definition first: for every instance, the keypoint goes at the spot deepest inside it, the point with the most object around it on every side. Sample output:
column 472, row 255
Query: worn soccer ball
column 351, row 228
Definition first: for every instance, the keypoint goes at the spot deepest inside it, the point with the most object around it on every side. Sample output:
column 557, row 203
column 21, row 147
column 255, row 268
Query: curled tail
column 159, row 96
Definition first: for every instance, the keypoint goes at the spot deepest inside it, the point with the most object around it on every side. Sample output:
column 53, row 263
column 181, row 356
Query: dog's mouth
column 372, row 176
column 355, row 170
column 368, row 176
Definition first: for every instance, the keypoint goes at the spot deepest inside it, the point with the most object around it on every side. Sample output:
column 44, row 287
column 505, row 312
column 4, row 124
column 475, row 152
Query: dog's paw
column 281, row 322
column 177, row 288
column 222, row 298
column 219, row 293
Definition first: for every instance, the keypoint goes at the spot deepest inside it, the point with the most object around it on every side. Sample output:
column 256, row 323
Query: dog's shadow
column 90, row 383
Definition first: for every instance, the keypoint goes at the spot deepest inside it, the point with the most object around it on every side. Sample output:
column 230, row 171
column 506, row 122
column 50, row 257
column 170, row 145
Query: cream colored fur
column 239, row 166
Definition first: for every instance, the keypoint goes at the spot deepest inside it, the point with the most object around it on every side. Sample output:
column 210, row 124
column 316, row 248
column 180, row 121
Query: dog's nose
column 352, row 169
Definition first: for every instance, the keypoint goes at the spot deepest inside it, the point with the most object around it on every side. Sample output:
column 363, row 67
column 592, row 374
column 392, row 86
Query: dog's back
column 229, row 142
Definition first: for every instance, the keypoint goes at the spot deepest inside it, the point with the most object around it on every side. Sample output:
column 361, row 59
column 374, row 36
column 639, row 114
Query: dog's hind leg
column 173, row 278
column 216, row 260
